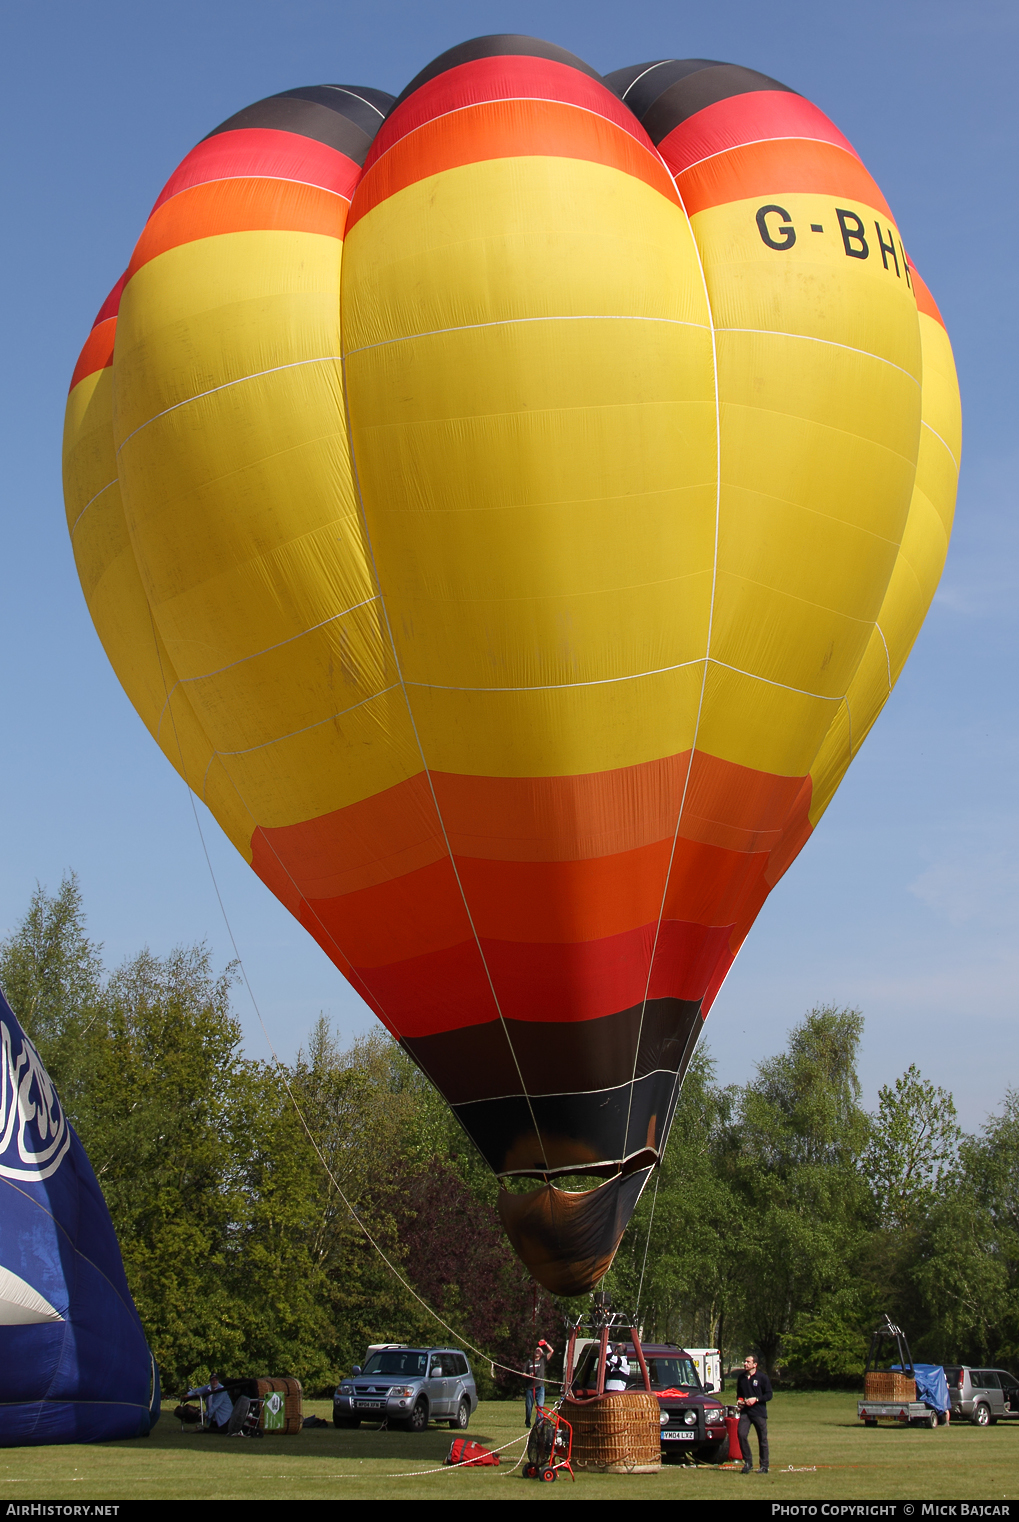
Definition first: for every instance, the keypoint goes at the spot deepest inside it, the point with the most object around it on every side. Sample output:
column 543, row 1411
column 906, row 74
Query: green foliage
column 827, row 1345
column 912, row 1149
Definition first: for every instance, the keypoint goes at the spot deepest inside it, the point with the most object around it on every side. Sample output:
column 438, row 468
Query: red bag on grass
column 463, row 1451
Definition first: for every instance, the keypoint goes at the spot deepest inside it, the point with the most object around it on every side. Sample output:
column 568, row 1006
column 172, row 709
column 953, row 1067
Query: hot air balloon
column 509, row 508
column 76, row 1368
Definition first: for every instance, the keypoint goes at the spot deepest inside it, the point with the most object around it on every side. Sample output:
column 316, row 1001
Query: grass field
column 818, row 1452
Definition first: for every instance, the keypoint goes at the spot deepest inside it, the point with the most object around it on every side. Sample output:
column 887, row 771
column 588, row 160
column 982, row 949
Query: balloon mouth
column 568, row 1238
column 609, row 1168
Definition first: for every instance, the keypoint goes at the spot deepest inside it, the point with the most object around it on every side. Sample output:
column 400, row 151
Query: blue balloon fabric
column 75, row 1364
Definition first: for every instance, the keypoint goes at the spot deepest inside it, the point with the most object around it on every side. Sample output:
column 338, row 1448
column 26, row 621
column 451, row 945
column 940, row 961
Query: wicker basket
column 618, row 1434
column 890, row 1386
column 283, row 1415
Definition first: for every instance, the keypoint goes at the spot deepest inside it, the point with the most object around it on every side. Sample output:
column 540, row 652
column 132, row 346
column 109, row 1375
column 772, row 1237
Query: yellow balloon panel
column 517, row 240
column 559, row 731
column 811, row 289
column 917, row 568
column 539, row 491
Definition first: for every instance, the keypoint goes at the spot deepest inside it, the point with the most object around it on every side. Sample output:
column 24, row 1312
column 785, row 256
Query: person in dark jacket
column 753, row 1391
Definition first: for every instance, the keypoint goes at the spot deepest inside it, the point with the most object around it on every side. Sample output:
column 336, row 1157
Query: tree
column 791, row 1155
column 52, row 975
column 913, row 1145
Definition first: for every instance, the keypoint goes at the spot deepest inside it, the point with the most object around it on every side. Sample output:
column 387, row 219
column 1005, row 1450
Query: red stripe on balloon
column 503, row 77
column 111, row 306
column 449, row 989
column 263, row 152
column 742, row 119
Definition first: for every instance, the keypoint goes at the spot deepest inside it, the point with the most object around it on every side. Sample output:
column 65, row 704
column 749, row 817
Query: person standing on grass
column 534, row 1390
column 753, row 1391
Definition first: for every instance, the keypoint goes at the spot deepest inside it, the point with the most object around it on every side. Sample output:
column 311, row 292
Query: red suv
column 693, row 1421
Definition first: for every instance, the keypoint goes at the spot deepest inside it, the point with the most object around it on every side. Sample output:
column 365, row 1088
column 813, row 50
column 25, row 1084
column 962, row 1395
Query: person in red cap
column 534, row 1390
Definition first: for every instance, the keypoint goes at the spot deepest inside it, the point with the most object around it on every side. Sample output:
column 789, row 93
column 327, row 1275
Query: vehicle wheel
column 548, row 1475
column 981, row 1415
column 418, row 1419
column 346, row 1421
column 530, row 1471
column 870, row 1421
column 713, row 1453
column 932, row 1421
column 463, row 1415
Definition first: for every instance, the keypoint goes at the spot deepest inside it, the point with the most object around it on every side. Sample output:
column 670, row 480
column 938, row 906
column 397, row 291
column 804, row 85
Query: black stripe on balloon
column 662, row 95
column 556, row 1057
column 501, row 45
column 344, row 117
column 578, row 1086
column 590, row 1134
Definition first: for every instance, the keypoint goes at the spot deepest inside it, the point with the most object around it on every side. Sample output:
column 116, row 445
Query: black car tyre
column 462, row 1418
column 346, row 1421
column 981, row 1414
column 714, row 1453
column 418, row 1419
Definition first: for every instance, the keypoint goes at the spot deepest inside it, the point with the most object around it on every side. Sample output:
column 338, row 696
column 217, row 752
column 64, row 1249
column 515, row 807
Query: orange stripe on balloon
column 506, row 130
column 599, row 814
column 241, row 205
column 576, row 901
column 785, row 166
column 924, row 300
column 97, row 352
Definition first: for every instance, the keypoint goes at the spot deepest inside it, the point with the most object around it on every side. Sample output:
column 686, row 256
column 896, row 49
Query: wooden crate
column 283, row 1416
column 618, row 1434
column 888, row 1386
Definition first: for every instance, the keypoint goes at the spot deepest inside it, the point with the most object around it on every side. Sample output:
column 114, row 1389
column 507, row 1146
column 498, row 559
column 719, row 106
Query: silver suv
column 409, row 1387
column 982, row 1395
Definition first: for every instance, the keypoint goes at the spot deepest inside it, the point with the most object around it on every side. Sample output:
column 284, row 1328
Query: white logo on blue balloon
column 34, row 1134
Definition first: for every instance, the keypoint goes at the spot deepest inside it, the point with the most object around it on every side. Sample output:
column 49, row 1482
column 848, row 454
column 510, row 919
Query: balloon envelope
column 509, row 508
column 75, row 1361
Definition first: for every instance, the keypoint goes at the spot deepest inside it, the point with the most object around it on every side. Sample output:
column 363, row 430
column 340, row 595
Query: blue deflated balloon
column 74, row 1363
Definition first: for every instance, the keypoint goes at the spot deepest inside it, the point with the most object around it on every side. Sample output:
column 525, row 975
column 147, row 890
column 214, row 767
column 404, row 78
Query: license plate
column 679, row 1437
column 369, row 1405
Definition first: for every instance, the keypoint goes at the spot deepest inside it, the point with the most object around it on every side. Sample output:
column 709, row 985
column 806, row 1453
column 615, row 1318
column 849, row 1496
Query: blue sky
column 906, row 901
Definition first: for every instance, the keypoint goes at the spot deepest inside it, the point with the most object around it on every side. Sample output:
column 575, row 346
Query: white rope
column 647, row 1244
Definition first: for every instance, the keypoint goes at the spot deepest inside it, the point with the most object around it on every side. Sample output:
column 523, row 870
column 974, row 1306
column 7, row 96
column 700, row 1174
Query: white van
column 708, row 1362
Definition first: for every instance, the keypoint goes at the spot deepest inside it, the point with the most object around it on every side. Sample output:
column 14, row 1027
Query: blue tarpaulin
column 931, row 1385
column 76, row 1366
